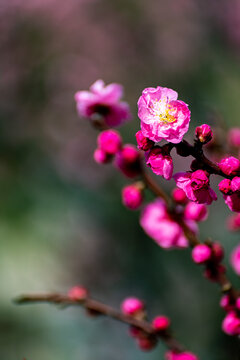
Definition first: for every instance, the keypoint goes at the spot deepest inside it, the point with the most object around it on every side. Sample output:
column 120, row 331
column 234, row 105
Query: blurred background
column 61, row 218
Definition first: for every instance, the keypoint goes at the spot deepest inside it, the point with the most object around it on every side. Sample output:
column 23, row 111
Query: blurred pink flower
column 235, row 259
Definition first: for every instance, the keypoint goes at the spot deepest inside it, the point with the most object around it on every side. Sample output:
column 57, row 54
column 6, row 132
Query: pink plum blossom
column 225, row 186
column 161, row 323
column 196, row 186
column 231, row 324
column 127, row 160
column 103, row 101
column 132, row 306
column 160, row 163
column 101, row 157
column 196, row 212
column 162, row 115
column 179, row 196
column 201, row 253
column 235, row 259
column 157, row 224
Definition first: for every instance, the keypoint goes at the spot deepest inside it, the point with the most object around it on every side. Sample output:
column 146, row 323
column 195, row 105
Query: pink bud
column 229, row 165
column 217, row 252
column 132, row 306
column 235, row 184
column 179, row 196
column 196, row 212
column 233, row 222
column 234, row 137
column 135, row 332
column 109, row 141
column 225, row 302
column 146, row 343
column 128, row 161
column 213, row 273
column 235, row 259
column 78, row 293
column 101, row 157
column 160, row 162
column 201, row 253
column 225, row 186
column 231, row 324
column 161, row 323
column 143, row 142
column 204, row 133
column 132, row 196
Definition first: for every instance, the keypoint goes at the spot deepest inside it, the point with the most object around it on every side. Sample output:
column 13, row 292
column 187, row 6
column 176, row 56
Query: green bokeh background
column 61, row 217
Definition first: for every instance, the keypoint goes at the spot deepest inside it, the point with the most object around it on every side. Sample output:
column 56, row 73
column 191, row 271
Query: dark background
column 61, row 217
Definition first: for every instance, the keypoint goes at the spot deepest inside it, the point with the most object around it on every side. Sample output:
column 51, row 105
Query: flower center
column 162, row 109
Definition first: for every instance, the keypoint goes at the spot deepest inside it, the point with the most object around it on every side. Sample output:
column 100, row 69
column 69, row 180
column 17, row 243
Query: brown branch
column 101, row 309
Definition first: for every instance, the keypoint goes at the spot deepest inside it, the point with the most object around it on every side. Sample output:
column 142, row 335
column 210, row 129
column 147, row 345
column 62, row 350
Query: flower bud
column 196, row 212
column 101, row 157
column 204, row 133
column 143, row 142
column 231, row 324
column 132, row 306
column 132, row 196
column 201, row 253
column 225, row 186
column 212, row 273
column 235, row 259
column 217, row 252
column 128, row 161
column 172, row 355
column 233, row 222
column 160, row 163
column 109, row 141
column 146, row 343
column 234, row 137
column 179, row 196
column 235, row 184
column 225, row 303
column 161, row 323
column 229, row 165
column 77, row 293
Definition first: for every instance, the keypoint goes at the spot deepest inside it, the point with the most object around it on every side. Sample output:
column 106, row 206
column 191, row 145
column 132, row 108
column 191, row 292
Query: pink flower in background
column 160, row 163
column 231, row 324
column 104, row 102
column 196, row 186
column 132, row 196
column 234, row 137
column 196, row 212
column 162, row 115
column 172, row 355
column 157, row 224
column 127, row 160
column 109, row 141
column 235, row 259
column 233, row 222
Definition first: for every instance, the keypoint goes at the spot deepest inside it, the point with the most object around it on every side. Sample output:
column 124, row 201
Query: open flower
column 157, row 223
column 103, row 102
column 196, row 186
column 162, row 115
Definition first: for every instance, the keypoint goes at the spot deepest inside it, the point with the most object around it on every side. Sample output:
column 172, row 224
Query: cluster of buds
column 231, row 192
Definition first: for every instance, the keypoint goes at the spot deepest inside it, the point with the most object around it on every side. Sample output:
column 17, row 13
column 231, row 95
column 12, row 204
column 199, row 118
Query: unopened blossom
column 217, row 251
column 225, row 186
column 201, row 253
column 78, row 293
column 196, row 212
column 204, row 133
column 101, row 157
column 231, row 324
column 103, row 102
column 212, row 273
column 160, row 163
column 128, row 161
column 233, row 222
column 109, row 141
column 143, row 142
column 132, row 196
column 235, row 184
column 146, row 343
column 162, row 115
column 179, row 196
column 157, row 224
column 132, row 306
column 229, row 165
column 233, row 201
column 196, row 186
column 172, row 355
column 235, row 259
column 161, row 323
column 234, row 137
